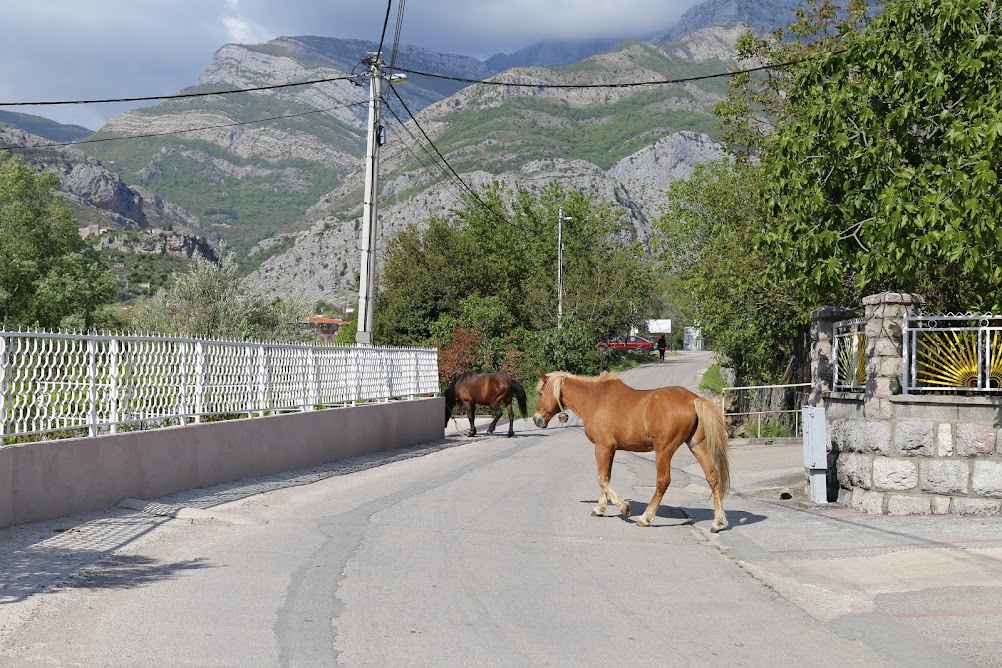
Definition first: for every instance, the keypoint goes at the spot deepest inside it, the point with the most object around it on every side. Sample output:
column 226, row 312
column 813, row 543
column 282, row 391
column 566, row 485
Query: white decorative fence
column 99, row 383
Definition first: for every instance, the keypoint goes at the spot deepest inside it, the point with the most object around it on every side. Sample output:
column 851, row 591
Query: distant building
column 692, row 338
column 322, row 325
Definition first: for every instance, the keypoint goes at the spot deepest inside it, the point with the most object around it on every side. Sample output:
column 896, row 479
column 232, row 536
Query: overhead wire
column 628, row 84
column 473, row 193
column 176, row 132
column 442, row 170
column 386, row 22
column 177, row 96
column 396, row 36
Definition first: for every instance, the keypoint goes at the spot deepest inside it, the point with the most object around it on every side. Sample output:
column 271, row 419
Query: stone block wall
column 907, row 454
column 930, row 455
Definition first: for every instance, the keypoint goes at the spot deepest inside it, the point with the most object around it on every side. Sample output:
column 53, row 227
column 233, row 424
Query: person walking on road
column 662, row 344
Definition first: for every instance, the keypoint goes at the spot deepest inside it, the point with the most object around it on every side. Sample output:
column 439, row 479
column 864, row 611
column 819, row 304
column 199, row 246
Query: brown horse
column 485, row 389
column 618, row 417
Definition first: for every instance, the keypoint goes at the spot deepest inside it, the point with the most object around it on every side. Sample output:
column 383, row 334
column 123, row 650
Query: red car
column 629, row 343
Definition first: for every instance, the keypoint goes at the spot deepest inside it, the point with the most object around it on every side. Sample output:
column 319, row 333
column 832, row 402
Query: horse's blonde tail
column 709, row 415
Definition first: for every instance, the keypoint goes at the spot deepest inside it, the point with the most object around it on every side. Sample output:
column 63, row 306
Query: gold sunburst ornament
column 852, row 361
column 951, row 359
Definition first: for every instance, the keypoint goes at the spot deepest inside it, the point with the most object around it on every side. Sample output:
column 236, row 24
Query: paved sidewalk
column 925, row 590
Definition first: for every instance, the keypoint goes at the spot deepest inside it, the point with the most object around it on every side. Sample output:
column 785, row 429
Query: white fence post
column 4, row 374
column 199, row 405
column 113, row 407
column 92, row 385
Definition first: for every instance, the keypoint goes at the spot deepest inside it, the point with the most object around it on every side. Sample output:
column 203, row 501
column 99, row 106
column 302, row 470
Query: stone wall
column 907, row 454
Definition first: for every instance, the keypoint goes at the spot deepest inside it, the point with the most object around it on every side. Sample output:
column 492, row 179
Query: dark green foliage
column 493, row 275
column 887, row 174
column 49, row 277
column 142, row 274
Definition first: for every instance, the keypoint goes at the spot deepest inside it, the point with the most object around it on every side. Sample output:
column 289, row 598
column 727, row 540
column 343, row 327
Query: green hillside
column 244, row 199
column 613, row 124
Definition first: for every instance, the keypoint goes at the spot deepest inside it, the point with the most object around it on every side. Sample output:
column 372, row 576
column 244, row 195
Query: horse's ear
column 541, row 376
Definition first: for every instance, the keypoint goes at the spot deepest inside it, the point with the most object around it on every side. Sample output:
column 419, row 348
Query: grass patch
column 712, row 380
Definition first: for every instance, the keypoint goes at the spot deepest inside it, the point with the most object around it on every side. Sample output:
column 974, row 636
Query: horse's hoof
column 626, row 509
column 643, row 521
column 510, row 434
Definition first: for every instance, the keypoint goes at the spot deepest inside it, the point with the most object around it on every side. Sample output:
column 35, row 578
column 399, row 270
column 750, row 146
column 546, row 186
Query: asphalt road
column 468, row 552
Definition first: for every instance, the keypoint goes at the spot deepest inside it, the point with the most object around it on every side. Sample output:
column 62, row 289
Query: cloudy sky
column 88, row 49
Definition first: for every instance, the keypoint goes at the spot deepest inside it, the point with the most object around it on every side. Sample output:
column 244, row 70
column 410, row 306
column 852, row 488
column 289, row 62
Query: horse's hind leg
column 662, row 460
column 511, row 421
column 603, row 460
column 703, row 457
column 498, row 412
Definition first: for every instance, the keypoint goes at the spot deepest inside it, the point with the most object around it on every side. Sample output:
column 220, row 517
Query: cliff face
column 762, row 16
column 106, row 202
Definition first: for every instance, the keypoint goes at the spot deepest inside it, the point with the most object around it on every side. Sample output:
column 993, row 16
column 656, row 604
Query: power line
column 441, row 169
column 386, row 22
column 177, row 96
column 177, row 132
column 466, row 186
column 632, row 84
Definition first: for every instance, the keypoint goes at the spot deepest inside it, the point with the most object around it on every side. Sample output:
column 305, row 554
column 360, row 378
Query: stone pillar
column 885, row 314
column 822, row 344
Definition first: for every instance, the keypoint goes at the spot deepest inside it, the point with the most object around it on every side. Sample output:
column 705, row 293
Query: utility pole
column 560, row 266
column 367, row 268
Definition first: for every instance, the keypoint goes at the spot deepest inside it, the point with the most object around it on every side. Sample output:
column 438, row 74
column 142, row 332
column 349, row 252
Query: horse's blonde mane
column 557, row 378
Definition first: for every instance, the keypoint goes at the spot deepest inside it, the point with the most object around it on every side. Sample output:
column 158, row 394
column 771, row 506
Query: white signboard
column 659, row 326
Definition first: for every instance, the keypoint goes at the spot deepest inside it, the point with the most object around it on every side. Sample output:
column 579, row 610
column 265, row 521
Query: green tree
column 49, row 276
column 208, row 301
column 886, row 173
column 488, row 274
column 757, row 102
column 706, row 242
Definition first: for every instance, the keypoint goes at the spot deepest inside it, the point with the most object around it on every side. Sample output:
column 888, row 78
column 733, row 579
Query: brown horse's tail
column 520, row 397
column 709, row 415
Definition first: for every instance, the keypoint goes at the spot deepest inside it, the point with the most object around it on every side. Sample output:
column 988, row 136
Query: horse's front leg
column 603, row 460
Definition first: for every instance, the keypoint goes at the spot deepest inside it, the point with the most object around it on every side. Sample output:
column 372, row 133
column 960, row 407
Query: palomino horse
column 488, row 389
column 618, row 417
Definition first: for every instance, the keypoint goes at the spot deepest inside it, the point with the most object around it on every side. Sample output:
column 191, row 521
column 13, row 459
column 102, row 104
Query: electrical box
column 816, row 452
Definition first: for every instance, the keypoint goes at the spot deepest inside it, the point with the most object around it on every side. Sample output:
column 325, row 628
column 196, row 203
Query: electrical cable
column 386, row 22
column 176, row 96
column 177, row 132
column 396, row 36
column 466, row 186
column 633, row 84
column 443, row 172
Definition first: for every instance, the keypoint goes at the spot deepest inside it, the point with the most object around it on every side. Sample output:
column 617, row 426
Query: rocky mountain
column 550, row 53
column 250, row 165
column 105, row 204
column 43, row 127
column 762, row 16
column 624, row 144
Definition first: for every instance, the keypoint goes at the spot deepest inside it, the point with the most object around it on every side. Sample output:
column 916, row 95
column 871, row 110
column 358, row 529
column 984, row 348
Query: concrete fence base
column 49, row 479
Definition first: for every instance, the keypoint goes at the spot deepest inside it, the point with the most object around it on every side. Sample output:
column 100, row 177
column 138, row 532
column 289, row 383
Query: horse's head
column 450, row 401
column 550, row 389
